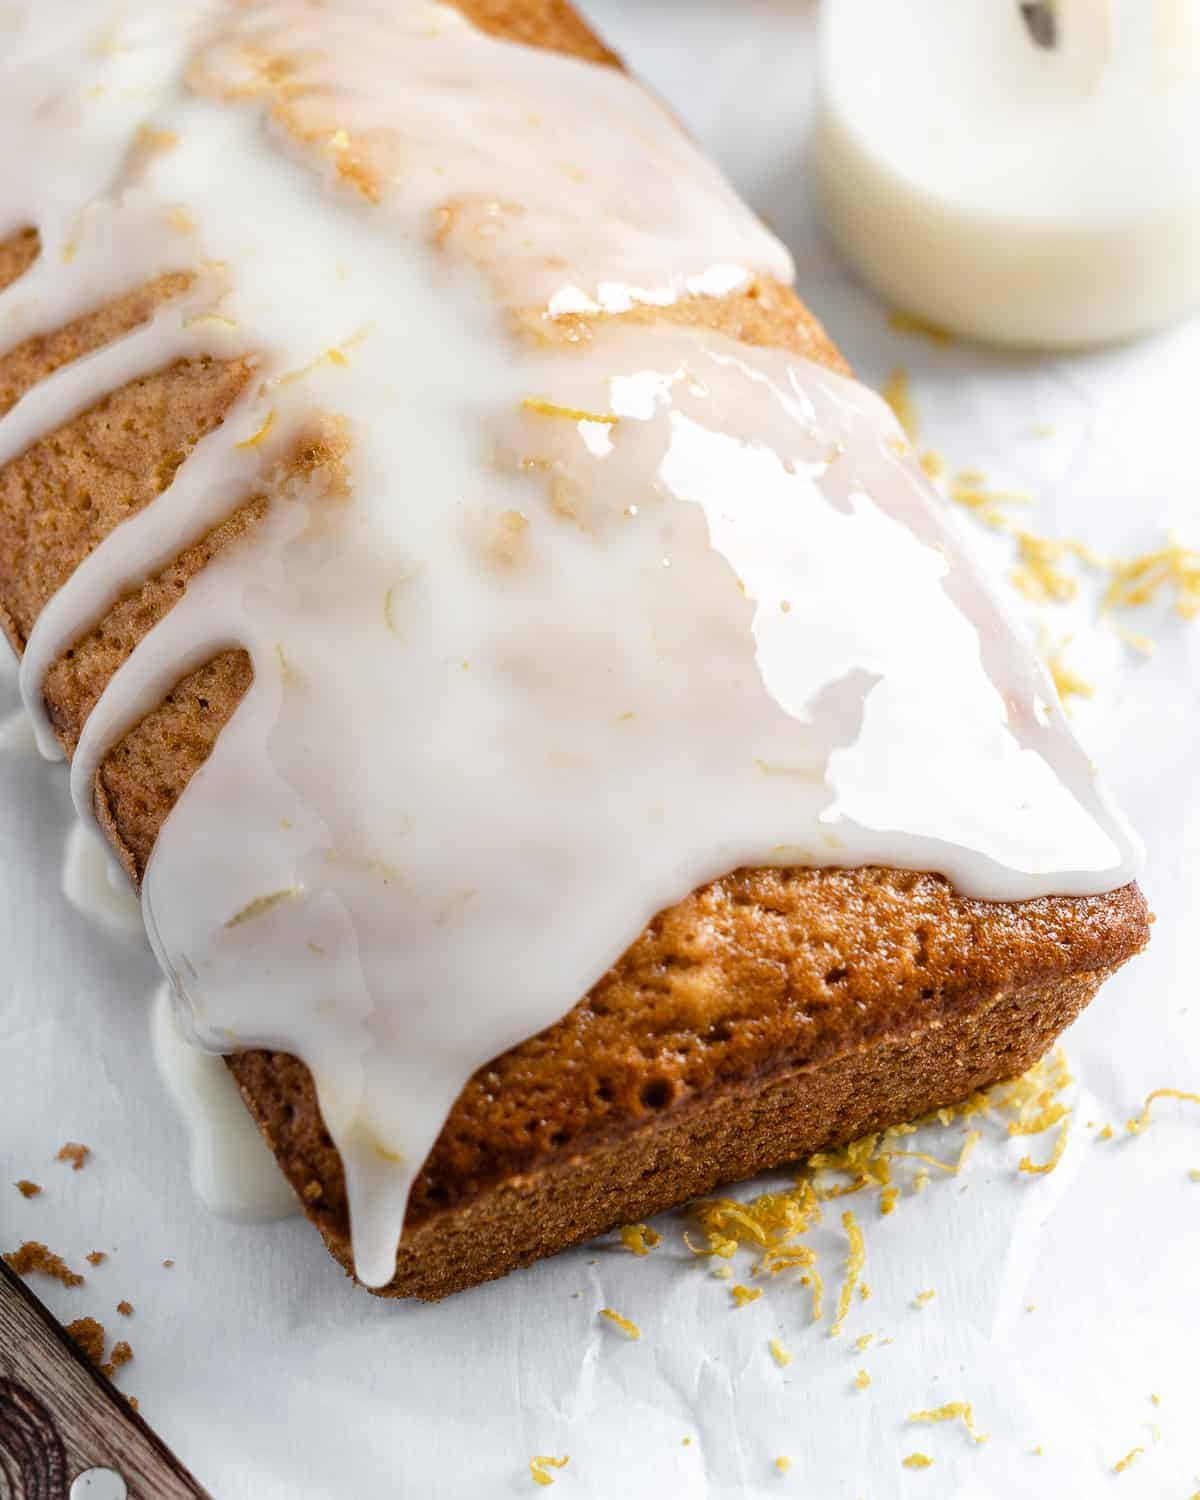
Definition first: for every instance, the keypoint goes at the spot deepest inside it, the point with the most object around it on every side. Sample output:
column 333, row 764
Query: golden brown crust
column 739, row 1128
column 770, row 1013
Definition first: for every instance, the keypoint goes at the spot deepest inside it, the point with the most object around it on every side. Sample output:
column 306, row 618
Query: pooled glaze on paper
column 560, row 629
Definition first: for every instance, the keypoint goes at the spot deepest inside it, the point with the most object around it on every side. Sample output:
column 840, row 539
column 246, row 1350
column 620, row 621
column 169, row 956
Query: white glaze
column 233, row 1172
column 522, row 679
column 97, row 888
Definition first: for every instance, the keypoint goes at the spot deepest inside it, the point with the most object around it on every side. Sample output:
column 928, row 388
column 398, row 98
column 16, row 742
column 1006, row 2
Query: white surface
column 273, row 1378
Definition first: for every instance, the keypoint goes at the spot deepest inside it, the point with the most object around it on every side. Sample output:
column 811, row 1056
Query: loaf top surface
column 543, row 600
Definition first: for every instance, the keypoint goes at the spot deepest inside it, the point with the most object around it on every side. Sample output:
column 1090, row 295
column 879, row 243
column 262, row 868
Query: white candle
column 1019, row 194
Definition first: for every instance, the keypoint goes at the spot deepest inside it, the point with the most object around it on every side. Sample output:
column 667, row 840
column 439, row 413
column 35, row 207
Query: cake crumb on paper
column 28, row 1189
column 74, row 1152
column 34, row 1257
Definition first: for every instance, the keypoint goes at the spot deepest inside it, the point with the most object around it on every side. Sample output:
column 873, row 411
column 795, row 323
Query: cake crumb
column 168, row 1264
column 74, row 1152
column 862, row 1380
column 1123, row 1463
column 779, row 1354
column 783, row 1463
column 744, row 1294
column 687, row 1442
column 120, row 1355
column 539, row 1464
column 133, row 1402
column 95, row 1257
column 628, row 1328
column 33, row 1256
column 125, row 1309
column 28, row 1189
column 88, row 1334
column 917, row 1461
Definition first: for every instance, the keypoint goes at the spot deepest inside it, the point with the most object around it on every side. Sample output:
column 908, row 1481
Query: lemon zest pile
column 1138, row 580
column 640, row 1238
column 898, row 396
column 1027, row 1164
column 950, row 1412
column 779, row 1354
column 917, row 1461
column 1123, row 1463
column 855, row 1261
column 933, row 461
column 543, row 1461
column 628, row 1328
column 1136, row 1126
column 969, row 488
column 1067, row 682
column 572, row 413
column 745, row 1294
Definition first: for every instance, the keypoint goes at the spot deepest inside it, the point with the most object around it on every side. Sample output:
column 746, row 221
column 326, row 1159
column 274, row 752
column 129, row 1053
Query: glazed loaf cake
column 771, row 1013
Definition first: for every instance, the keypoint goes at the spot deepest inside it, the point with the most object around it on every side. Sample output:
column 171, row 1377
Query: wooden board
column 60, row 1417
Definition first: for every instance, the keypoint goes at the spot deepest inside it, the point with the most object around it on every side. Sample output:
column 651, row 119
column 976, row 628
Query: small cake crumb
column 862, row 1380
column 133, row 1402
column 779, row 1354
column 168, row 1264
column 125, row 1309
column 543, row 1461
column 75, row 1153
column 628, row 1328
column 121, row 1355
column 687, row 1442
column 1123, row 1463
column 744, row 1294
column 917, row 1461
column 33, row 1256
column 28, row 1189
column 89, row 1335
column 96, row 1258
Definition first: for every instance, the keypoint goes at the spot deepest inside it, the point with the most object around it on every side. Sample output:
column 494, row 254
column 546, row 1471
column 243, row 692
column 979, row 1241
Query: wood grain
column 59, row 1416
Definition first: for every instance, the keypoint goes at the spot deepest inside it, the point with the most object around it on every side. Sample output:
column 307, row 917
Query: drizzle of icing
column 233, row 1172
column 97, row 888
column 557, row 632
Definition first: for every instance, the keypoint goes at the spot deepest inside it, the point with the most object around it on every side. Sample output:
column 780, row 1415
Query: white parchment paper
column 1062, row 1302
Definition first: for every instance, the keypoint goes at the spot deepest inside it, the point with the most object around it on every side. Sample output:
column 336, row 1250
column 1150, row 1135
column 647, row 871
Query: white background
column 275, row 1379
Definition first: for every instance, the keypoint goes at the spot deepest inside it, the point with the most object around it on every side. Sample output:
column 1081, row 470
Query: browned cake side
column 769, row 1014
